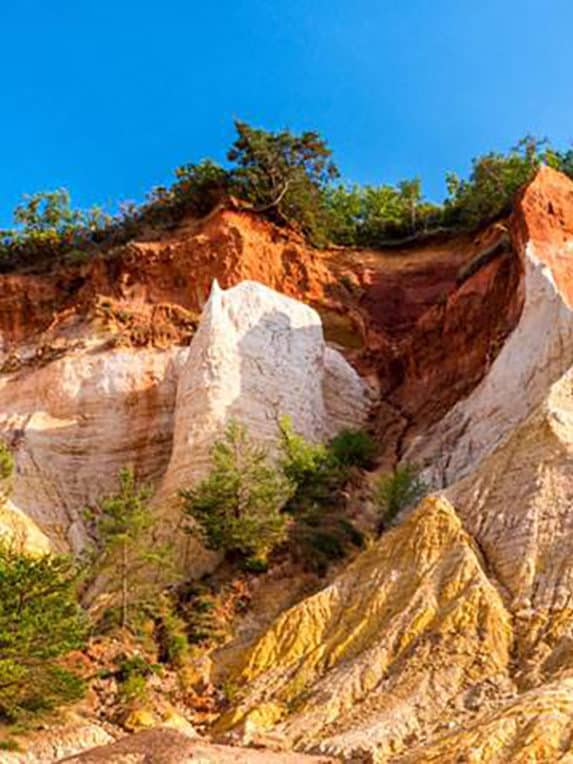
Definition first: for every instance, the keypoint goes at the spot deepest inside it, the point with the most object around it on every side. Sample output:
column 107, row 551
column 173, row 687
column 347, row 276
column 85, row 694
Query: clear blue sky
column 106, row 98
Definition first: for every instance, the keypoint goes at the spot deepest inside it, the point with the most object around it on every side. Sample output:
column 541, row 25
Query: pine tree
column 40, row 621
column 126, row 556
column 237, row 508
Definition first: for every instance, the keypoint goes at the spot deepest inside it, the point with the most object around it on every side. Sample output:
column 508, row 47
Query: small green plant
column 353, row 448
column 132, row 675
column 397, row 491
column 237, row 508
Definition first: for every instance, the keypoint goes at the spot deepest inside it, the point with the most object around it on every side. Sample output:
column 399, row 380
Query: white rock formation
column 74, row 423
column 258, row 355
column 536, row 354
column 517, row 505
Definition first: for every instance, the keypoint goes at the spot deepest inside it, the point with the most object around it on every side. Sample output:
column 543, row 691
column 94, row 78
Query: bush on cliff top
column 290, row 179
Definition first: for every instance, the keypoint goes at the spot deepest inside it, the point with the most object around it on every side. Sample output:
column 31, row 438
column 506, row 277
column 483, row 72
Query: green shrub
column 353, row 448
column 397, row 491
column 199, row 608
column 492, row 185
column 312, row 470
column 171, row 635
column 237, row 508
column 40, row 622
column 321, row 533
column 323, row 536
column 132, row 675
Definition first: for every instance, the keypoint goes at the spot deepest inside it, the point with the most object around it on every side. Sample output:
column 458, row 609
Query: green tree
column 321, row 532
column 397, row 491
column 284, row 175
column 237, row 508
column 493, row 183
column 40, row 621
column 126, row 556
column 47, row 212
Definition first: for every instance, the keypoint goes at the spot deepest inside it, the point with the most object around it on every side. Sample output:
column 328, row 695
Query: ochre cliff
column 449, row 638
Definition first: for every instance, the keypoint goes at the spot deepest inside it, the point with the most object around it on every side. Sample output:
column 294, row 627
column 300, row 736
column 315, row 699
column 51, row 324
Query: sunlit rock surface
column 536, row 354
column 74, row 423
column 368, row 664
column 257, row 356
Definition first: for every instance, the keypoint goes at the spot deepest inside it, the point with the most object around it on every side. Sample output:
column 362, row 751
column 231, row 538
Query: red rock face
column 424, row 322
column 544, row 217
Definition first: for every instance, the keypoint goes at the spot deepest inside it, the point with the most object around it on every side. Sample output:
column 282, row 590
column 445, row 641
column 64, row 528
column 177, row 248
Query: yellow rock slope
column 451, row 638
column 412, row 629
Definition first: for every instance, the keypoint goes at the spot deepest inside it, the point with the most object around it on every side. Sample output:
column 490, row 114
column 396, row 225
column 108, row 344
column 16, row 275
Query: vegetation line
column 291, row 180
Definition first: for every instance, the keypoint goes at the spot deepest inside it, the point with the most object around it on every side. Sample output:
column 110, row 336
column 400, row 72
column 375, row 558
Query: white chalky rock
column 73, row 424
column 258, row 355
column 536, row 354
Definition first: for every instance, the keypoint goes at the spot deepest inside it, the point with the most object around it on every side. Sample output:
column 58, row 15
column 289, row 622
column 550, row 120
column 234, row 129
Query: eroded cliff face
column 450, row 636
column 385, row 652
column 450, row 639
column 91, row 354
column 536, row 354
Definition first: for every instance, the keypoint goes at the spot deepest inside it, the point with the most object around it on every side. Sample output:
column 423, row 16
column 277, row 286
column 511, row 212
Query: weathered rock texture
column 451, row 636
column 257, row 356
column 517, row 505
column 535, row 355
column 163, row 746
column 368, row 664
column 449, row 640
column 75, row 422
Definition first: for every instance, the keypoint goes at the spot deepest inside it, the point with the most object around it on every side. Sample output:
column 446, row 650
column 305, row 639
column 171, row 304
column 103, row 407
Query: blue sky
column 108, row 98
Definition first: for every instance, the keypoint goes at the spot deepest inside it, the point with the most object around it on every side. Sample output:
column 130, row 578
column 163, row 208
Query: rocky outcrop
column 536, row 354
column 163, row 746
column 257, row 356
column 411, row 631
column 74, row 423
column 517, row 505
column 535, row 727
column 440, row 644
